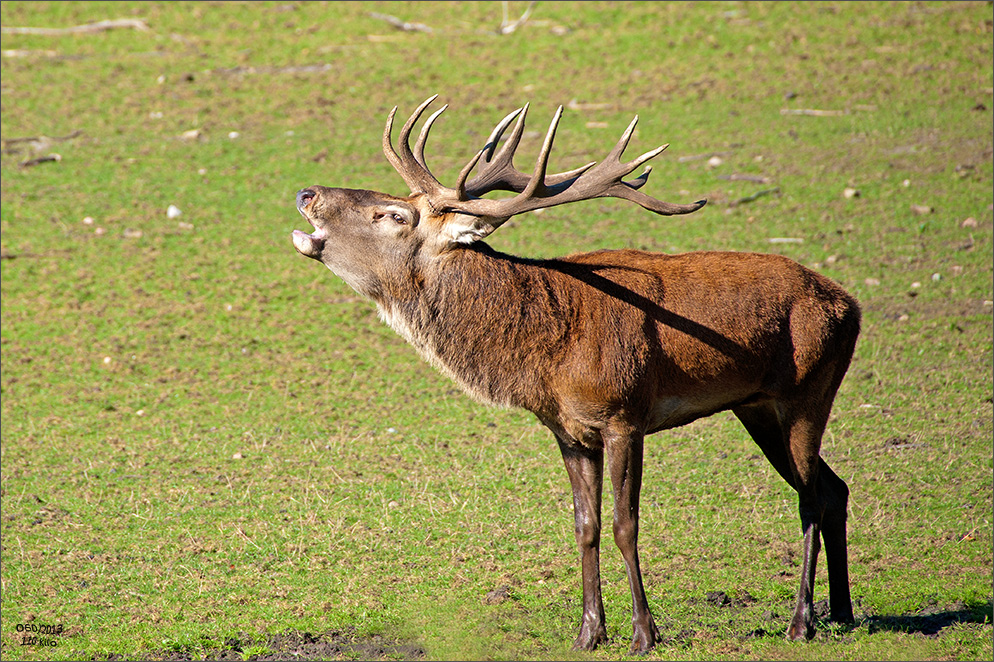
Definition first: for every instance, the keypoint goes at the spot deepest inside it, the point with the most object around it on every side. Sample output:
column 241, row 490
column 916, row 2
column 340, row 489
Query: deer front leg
column 624, row 452
column 585, row 467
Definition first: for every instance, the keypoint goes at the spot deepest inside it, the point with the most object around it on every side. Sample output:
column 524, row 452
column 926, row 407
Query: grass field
column 211, row 448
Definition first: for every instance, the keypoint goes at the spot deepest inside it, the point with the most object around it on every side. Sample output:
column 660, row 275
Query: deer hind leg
column 624, row 453
column 774, row 438
column 830, row 493
column 791, row 443
column 585, row 467
column 835, row 493
column 803, row 437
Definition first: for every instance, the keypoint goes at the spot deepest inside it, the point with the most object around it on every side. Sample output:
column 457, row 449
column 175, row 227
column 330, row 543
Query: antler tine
column 498, row 131
column 639, row 181
column 506, row 153
column 405, row 132
column 493, row 174
column 419, row 146
column 497, row 171
column 388, row 149
column 536, row 185
column 651, row 154
column 461, row 194
column 415, row 174
column 619, row 149
column 627, row 168
column 627, row 192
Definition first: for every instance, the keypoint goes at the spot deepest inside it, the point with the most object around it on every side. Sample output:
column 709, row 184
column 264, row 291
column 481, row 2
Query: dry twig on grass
column 813, row 112
column 754, row 196
column 400, row 24
column 698, row 157
column 735, row 177
column 99, row 26
column 41, row 159
column 37, row 143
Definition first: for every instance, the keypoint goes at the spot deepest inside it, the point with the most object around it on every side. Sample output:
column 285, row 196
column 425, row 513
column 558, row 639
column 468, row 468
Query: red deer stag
column 605, row 347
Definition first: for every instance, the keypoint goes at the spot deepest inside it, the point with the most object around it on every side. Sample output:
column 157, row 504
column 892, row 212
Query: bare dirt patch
column 335, row 645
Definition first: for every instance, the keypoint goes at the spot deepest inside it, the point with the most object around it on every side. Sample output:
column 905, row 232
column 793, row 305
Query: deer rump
column 603, row 347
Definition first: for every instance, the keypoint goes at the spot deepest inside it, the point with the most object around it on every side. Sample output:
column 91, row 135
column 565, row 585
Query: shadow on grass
column 931, row 620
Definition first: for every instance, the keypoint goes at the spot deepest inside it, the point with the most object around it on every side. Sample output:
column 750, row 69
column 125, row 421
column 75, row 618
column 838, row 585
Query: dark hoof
column 590, row 641
column 640, row 648
column 845, row 616
column 644, row 641
column 800, row 631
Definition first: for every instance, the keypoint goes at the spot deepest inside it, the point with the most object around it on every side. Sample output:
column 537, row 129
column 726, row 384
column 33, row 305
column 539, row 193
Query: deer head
column 368, row 238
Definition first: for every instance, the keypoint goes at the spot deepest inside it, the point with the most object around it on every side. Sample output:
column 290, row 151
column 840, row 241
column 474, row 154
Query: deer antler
column 496, row 173
column 535, row 191
column 411, row 166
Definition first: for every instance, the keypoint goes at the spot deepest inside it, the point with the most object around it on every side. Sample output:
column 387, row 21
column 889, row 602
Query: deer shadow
column 928, row 622
column 931, row 620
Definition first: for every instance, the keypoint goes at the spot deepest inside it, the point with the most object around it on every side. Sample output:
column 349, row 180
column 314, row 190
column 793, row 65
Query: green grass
column 208, row 438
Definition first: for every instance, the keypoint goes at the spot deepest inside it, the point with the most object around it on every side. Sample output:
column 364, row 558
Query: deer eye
column 397, row 216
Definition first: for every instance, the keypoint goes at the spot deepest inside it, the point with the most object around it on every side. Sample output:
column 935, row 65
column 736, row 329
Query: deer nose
column 304, row 196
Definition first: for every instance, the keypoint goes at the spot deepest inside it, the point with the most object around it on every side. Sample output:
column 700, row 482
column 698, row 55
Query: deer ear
column 466, row 229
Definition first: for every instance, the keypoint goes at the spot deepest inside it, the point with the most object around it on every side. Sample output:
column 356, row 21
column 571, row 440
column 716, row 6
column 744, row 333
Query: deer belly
column 674, row 411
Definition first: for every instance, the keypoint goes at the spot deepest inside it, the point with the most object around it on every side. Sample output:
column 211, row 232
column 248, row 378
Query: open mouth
column 309, row 245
